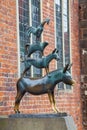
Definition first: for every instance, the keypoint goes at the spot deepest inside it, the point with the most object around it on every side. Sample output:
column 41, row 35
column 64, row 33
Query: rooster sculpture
column 37, row 31
column 42, row 62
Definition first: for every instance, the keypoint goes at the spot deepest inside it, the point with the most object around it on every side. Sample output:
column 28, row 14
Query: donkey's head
column 56, row 54
column 67, row 78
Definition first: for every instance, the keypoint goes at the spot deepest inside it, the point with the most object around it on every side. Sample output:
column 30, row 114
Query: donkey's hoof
column 17, row 112
column 62, row 113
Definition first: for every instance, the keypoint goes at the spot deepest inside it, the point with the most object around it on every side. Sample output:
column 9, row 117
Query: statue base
column 37, row 122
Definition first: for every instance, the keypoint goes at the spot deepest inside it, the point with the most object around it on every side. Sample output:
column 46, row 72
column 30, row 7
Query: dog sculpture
column 43, row 85
column 42, row 62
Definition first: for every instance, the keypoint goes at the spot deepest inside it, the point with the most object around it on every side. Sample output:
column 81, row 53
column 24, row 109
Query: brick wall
column 49, row 30
column 8, row 55
column 66, row 101
column 69, row 102
column 76, row 62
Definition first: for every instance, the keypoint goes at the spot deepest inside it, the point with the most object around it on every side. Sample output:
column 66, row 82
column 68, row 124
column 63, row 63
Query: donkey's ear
column 69, row 67
column 54, row 51
column 65, row 68
column 57, row 50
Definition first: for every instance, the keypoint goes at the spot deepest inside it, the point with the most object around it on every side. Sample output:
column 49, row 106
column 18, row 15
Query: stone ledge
column 37, row 122
column 38, row 115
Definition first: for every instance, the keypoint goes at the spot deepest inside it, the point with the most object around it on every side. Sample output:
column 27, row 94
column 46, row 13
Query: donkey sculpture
column 35, row 47
column 42, row 62
column 37, row 31
column 43, row 85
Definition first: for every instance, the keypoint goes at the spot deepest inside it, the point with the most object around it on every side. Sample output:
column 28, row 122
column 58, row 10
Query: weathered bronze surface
column 43, row 85
column 37, row 31
column 42, row 62
column 35, row 47
column 47, row 83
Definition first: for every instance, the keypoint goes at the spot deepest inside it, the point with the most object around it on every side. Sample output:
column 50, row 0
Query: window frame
column 31, row 20
column 18, row 38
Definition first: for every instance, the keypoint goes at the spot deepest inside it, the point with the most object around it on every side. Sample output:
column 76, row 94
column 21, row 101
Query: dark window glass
column 35, row 22
column 23, row 20
column 59, row 32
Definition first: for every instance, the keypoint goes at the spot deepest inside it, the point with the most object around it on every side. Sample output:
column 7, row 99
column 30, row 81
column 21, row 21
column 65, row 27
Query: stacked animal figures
column 47, row 83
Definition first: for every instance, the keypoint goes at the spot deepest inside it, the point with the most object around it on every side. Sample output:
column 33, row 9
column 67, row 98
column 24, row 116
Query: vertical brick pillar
column 67, row 101
column 83, row 51
column 49, row 30
column 8, row 55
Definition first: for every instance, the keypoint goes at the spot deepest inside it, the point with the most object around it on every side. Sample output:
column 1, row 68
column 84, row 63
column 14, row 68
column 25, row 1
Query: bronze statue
column 42, row 62
column 37, row 31
column 43, row 85
column 47, row 83
column 35, row 47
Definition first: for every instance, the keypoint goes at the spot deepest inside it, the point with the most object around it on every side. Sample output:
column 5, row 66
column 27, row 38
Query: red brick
column 69, row 102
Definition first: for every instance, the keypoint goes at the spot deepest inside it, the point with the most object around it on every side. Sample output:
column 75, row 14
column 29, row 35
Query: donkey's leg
column 16, row 104
column 50, row 97
column 52, row 101
column 17, row 101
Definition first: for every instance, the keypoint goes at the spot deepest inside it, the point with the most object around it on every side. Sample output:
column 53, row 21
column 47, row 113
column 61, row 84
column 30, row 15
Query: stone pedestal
column 37, row 122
